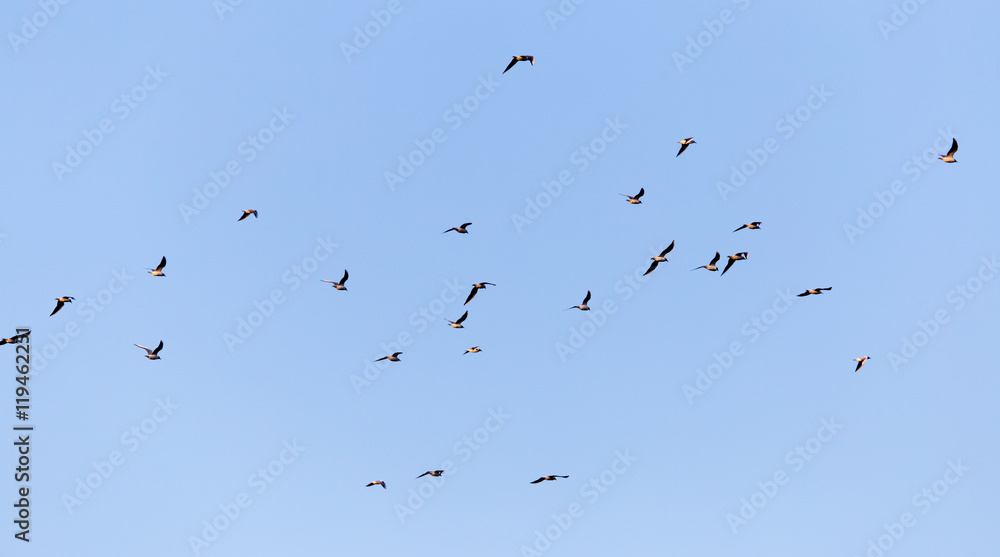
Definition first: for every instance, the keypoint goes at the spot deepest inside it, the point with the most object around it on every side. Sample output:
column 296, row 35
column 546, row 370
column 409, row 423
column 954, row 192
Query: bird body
column 548, row 478
column 393, row 358
column 472, row 350
column 711, row 266
column 158, row 271
column 377, row 482
column 657, row 259
column 861, row 361
column 60, row 302
column 460, row 229
column 813, row 291
column 733, row 259
column 434, row 473
column 247, row 213
column 950, row 157
column 684, row 145
column 752, row 226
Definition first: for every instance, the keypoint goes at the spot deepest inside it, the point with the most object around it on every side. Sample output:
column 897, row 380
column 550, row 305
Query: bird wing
column 471, row 295
column 148, row 351
column 466, row 224
column 954, row 147
column 343, row 280
column 740, row 228
column 460, row 319
column 158, row 348
column 254, row 213
column 511, row 65
column 728, row 265
column 642, row 192
column 806, row 293
column 163, row 263
column 422, row 475
column 715, row 259
column 860, row 363
column 539, row 480
column 683, row 146
column 59, row 305
column 668, row 250
column 651, row 267
column 587, row 299
column 243, row 216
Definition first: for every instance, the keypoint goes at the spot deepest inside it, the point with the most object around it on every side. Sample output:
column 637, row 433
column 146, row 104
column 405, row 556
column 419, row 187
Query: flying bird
column 152, row 354
column 460, row 229
column 14, row 339
column 435, row 473
column 658, row 258
column 158, row 271
column 473, row 350
column 950, row 157
column 751, row 226
column 517, row 59
column 458, row 324
column 582, row 306
column 733, row 259
column 393, row 358
column 476, row 288
column 861, row 362
column 813, row 291
column 711, row 266
column 247, row 213
column 684, row 144
column 377, row 482
column 338, row 285
column 548, row 478
column 60, row 302
column 634, row 199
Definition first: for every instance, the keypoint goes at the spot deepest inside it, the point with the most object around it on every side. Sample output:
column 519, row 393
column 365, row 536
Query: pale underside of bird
column 152, row 354
column 472, row 350
column 392, row 358
column 659, row 258
column 733, row 259
column 434, row 473
column 338, row 285
column 711, row 266
column 158, row 271
column 377, row 482
column 548, row 478
column 247, row 213
column 634, row 199
column 460, row 229
column 60, row 302
column 458, row 324
column 814, row 291
column 684, row 145
column 861, row 361
column 476, row 288
column 752, row 226
column 582, row 306
column 950, row 157
column 14, row 339
column 517, row 59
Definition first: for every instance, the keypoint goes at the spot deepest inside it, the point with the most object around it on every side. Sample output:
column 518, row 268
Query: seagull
column 751, row 226
column 582, row 306
column 549, row 478
column 711, row 266
column 377, row 482
column 861, row 362
column 393, row 358
column 247, row 213
column 813, row 291
column 733, row 259
column 473, row 350
column 517, row 59
column 435, row 473
column 950, row 157
column 158, row 271
column 338, row 285
column 458, row 324
column 14, row 339
column 658, row 258
column 60, row 302
column 459, row 229
column 475, row 288
column 152, row 354
column 684, row 144
column 634, row 199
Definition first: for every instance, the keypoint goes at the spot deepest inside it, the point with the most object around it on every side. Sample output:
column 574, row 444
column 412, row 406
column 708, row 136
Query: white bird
column 658, row 258
column 459, row 229
column 813, row 291
column 338, row 285
column 548, row 478
column 458, row 324
column 377, row 482
column 247, row 213
column 733, row 259
column 393, row 358
column 472, row 350
column 517, row 59
column 634, row 199
column 152, row 354
column 752, row 226
column 950, row 157
column 60, row 302
column 158, row 271
column 16, row 338
column 582, row 306
column 476, row 288
column 711, row 266
column 861, row 362
column 684, row 145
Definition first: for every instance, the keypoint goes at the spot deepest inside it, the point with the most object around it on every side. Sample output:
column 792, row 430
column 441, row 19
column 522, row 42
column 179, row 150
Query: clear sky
column 695, row 414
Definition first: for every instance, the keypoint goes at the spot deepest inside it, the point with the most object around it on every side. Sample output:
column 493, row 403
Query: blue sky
column 695, row 414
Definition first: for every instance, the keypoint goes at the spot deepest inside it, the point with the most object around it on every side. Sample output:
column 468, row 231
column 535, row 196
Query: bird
column 475, row 288
column 517, row 59
column 459, row 229
column 158, row 271
column 338, row 285
column 684, row 144
column 582, row 306
column 733, row 259
column 549, row 478
column 634, row 199
column 658, row 258
column 247, row 213
column 473, row 350
column 377, row 482
column 458, row 324
column 435, row 473
column 813, row 291
column 60, row 302
column 711, row 266
column 152, row 354
column 751, row 226
column 950, row 157
column 393, row 358
column 861, row 362
column 14, row 339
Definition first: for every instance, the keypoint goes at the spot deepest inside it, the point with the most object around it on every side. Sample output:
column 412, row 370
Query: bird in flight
column 751, row 226
column 658, row 258
column 684, row 144
column 950, row 157
column 517, row 59
column 460, row 229
column 733, row 259
column 60, row 302
column 158, row 271
column 435, row 473
column 548, row 478
column 14, row 339
column 338, row 285
column 813, row 291
column 476, row 288
column 458, row 324
column 393, row 358
column 711, row 266
column 152, row 354
column 247, row 213
column 377, row 482
column 861, row 362
column 582, row 306
column 634, row 199
column 472, row 350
